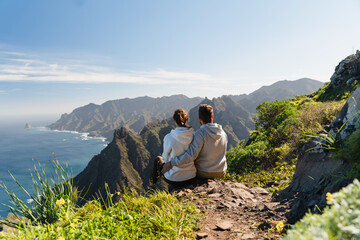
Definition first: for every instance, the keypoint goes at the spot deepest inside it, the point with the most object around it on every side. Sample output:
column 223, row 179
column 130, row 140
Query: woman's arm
column 167, row 148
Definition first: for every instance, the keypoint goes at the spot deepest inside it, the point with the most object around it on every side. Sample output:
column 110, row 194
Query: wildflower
column 75, row 220
column 329, row 197
column 73, row 225
column 118, row 193
column 60, row 202
column 60, row 238
column 279, row 226
column 58, row 229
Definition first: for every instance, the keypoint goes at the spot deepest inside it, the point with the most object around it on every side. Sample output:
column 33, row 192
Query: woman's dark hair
column 181, row 117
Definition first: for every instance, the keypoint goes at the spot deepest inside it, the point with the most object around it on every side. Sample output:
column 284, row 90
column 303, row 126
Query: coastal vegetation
column 55, row 214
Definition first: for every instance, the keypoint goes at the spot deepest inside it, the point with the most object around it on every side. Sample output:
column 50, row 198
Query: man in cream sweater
column 207, row 149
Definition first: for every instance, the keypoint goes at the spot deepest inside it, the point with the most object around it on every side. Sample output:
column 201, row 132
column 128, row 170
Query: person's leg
column 156, row 170
column 201, row 174
column 177, row 185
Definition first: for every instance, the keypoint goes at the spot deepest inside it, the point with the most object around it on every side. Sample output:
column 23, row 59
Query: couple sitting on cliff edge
column 188, row 155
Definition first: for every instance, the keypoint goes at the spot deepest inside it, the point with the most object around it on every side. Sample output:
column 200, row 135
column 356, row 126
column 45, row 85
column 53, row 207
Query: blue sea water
column 20, row 148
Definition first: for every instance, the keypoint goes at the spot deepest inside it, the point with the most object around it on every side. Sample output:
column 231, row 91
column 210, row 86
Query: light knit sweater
column 175, row 143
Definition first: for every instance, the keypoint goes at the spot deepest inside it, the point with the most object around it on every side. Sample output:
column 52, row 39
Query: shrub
column 272, row 141
column 339, row 221
column 246, row 158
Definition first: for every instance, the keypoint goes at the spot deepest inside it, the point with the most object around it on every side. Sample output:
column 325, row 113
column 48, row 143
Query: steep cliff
column 125, row 162
column 319, row 170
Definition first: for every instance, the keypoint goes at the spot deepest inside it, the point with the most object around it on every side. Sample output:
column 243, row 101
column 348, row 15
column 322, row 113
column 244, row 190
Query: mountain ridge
column 102, row 120
column 134, row 113
column 280, row 90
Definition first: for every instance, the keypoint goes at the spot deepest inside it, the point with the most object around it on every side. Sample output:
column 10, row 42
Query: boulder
column 346, row 71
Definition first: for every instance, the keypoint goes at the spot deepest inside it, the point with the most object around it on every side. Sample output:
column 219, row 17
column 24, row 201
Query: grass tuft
column 47, row 191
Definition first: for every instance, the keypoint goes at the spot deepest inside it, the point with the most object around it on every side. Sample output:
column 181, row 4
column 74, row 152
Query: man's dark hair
column 181, row 117
column 206, row 113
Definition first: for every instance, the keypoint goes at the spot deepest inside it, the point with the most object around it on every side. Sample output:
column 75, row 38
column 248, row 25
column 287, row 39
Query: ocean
column 20, row 148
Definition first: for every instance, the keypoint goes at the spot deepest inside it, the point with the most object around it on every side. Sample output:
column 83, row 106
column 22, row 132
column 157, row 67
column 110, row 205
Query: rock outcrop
column 317, row 171
column 347, row 71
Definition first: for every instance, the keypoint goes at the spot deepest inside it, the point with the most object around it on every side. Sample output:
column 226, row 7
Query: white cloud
column 27, row 68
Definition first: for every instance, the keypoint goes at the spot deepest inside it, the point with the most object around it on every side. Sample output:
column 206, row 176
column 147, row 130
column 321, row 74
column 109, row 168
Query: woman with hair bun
column 175, row 143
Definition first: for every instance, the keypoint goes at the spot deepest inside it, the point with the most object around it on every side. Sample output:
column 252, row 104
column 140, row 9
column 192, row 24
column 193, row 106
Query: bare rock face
column 349, row 117
column 347, row 70
column 317, row 170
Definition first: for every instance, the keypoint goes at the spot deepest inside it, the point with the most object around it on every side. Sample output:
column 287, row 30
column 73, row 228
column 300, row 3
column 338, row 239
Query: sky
column 58, row 55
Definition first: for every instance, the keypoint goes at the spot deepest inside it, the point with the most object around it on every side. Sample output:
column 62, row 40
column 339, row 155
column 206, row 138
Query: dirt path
column 234, row 211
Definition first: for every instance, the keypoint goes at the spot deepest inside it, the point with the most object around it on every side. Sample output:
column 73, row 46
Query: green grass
column 155, row 215
column 326, row 93
column 272, row 180
column 158, row 215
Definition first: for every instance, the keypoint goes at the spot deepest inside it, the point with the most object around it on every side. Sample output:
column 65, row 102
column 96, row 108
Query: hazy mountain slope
column 280, row 90
column 102, row 120
column 235, row 120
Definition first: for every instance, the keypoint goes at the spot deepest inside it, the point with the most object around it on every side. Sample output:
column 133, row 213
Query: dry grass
column 313, row 115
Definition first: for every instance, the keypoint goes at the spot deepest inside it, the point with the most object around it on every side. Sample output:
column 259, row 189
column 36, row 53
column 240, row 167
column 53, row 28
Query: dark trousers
column 156, row 174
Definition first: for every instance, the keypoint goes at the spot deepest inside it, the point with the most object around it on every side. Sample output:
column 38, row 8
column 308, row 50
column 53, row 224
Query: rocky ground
column 234, row 211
